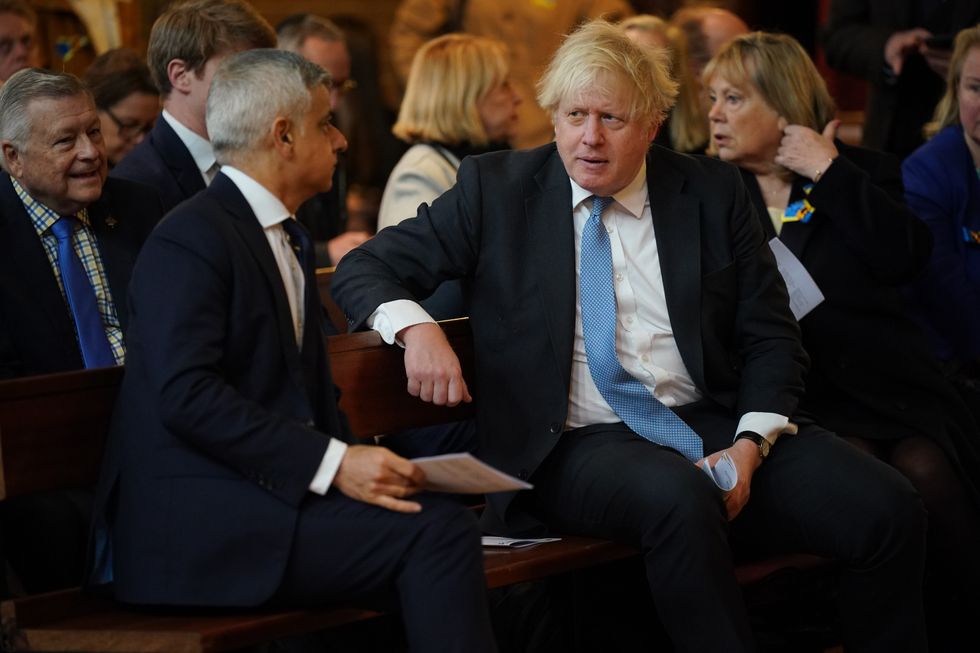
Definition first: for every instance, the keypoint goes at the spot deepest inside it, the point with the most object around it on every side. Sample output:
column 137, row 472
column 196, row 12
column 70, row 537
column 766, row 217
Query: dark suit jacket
column 854, row 41
column 942, row 188
column 506, row 227
column 163, row 162
column 871, row 372
column 37, row 333
column 222, row 420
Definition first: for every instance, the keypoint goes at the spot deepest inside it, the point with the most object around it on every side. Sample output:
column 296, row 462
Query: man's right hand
column 378, row 476
column 431, row 365
column 901, row 44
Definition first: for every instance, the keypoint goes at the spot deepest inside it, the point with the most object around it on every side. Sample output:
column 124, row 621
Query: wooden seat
column 52, row 435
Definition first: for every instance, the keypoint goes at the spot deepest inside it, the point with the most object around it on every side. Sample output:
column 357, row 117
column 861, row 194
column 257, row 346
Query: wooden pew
column 52, row 433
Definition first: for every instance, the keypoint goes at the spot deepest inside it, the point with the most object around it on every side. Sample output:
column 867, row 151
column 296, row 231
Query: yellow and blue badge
column 970, row 236
column 800, row 210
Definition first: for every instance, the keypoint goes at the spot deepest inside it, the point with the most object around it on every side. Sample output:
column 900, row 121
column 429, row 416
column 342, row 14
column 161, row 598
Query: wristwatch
column 762, row 443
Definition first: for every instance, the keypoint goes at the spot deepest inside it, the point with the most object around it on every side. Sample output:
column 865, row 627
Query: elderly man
column 18, row 23
column 187, row 42
column 232, row 482
column 68, row 240
column 68, row 237
column 633, row 333
column 318, row 40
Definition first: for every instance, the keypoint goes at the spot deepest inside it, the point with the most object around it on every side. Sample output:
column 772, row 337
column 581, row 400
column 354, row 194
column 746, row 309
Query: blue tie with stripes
column 630, row 399
column 96, row 351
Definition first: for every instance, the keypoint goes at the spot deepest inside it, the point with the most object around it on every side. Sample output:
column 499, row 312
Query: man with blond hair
column 638, row 360
column 187, row 42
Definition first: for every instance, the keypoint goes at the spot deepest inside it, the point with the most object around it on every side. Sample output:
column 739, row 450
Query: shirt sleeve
column 768, row 425
column 391, row 317
column 328, row 466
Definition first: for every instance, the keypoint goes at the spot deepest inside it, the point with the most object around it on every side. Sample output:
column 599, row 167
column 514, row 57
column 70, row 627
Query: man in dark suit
column 614, row 291
column 187, row 42
column 54, row 193
column 46, row 180
column 229, row 479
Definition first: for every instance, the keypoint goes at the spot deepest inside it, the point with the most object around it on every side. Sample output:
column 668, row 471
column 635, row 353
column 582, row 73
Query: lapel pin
column 111, row 222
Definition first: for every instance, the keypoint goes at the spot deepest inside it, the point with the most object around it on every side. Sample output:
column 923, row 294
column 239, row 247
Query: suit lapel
column 117, row 257
column 252, row 234
column 677, row 226
column 27, row 262
column 551, row 253
column 175, row 154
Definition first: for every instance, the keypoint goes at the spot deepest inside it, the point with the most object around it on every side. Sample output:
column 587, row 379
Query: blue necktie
column 629, row 398
column 96, row 351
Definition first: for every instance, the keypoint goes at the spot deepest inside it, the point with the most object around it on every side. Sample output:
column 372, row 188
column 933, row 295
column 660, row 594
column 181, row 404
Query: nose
column 714, row 111
column 338, row 141
column 593, row 134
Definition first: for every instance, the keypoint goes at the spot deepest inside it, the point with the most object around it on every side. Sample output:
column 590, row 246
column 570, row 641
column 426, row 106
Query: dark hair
column 117, row 74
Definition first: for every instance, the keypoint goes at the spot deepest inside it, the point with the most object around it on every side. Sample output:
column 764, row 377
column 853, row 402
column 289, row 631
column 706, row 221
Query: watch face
column 764, row 447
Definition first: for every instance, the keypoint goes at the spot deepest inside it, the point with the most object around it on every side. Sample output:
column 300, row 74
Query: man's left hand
column 745, row 455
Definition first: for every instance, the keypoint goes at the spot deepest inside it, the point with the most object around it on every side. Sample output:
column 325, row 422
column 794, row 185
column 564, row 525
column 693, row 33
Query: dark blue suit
column 221, row 424
column 506, row 228
column 46, row 534
column 37, row 334
column 942, row 188
column 163, row 162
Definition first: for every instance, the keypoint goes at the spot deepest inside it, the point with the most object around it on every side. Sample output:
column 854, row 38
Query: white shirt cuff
column 391, row 317
column 768, row 425
column 328, row 466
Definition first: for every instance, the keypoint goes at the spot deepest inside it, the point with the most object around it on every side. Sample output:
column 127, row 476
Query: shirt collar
column 631, row 198
column 268, row 209
column 200, row 148
column 41, row 216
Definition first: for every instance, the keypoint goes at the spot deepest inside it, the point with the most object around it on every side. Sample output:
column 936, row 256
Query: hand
column 806, row 152
column 938, row 59
column 338, row 247
column 431, row 365
column 376, row 475
column 901, row 44
column 745, row 455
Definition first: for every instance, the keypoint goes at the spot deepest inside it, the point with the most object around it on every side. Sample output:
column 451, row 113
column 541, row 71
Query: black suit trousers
column 815, row 494
column 345, row 550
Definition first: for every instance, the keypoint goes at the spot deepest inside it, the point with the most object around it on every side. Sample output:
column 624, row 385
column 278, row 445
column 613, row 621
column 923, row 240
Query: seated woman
column 942, row 186
column 126, row 98
column 458, row 101
column 840, row 211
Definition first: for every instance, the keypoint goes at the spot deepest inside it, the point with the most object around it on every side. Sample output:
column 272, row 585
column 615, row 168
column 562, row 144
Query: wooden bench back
column 53, row 427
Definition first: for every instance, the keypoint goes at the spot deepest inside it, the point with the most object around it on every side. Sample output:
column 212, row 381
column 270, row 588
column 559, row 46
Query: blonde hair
column 598, row 50
column 449, row 76
column 778, row 67
column 948, row 109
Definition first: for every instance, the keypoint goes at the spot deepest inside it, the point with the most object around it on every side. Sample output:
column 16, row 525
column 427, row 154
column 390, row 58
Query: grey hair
column 26, row 86
column 294, row 30
column 250, row 90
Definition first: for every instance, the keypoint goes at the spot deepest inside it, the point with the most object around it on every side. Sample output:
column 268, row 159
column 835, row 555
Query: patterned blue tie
column 96, row 351
column 629, row 398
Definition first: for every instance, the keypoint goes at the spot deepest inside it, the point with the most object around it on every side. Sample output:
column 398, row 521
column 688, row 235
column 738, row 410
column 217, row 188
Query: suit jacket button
column 522, row 474
column 555, row 427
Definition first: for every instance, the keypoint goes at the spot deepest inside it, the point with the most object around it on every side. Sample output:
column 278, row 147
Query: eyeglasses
column 129, row 130
column 344, row 87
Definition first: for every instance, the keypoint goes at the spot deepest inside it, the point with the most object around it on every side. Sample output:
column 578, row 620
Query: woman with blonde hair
column 685, row 129
column 942, row 186
column 839, row 210
column 458, row 102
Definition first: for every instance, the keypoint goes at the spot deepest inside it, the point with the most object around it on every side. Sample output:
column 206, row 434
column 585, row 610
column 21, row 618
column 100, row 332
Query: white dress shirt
column 645, row 343
column 200, row 148
column 271, row 213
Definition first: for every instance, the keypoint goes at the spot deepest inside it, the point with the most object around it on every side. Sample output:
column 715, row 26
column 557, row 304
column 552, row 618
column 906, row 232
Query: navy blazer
column 37, row 332
column 506, row 228
column 222, row 420
column 163, row 162
column 942, row 188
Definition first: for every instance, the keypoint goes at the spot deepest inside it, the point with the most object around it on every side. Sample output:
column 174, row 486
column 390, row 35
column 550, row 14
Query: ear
column 12, row 160
column 283, row 137
column 179, row 75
